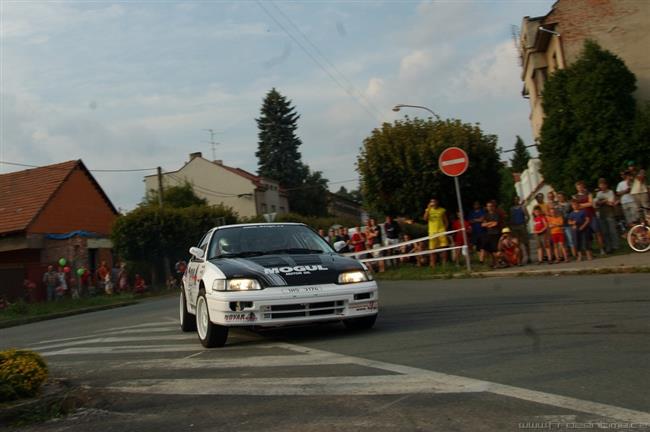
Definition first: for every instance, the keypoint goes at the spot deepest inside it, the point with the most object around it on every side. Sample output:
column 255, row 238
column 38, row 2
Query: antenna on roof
column 212, row 142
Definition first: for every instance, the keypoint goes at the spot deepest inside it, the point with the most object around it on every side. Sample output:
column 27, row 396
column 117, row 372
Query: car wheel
column 188, row 321
column 362, row 323
column 211, row 335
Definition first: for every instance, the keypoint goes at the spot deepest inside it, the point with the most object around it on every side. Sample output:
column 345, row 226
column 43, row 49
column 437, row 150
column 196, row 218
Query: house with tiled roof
column 248, row 194
column 47, row 213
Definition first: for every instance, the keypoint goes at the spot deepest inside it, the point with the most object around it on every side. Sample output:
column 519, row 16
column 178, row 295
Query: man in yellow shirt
column 437, row 219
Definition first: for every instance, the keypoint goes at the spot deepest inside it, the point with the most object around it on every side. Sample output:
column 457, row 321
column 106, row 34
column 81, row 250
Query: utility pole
column 213, row 143
column 160, row 187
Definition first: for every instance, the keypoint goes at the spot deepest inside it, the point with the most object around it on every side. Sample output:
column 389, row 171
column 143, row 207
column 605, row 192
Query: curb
column 21, row 321
column 57, row 396
column 566, row 271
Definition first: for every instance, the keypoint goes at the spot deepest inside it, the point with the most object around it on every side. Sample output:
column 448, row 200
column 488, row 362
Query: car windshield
column 255, row 240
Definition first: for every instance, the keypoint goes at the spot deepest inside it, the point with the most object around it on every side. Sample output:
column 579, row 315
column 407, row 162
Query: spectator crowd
column 563, row 226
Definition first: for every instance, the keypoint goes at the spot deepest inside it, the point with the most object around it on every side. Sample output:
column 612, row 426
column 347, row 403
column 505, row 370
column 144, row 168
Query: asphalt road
column 459, row 355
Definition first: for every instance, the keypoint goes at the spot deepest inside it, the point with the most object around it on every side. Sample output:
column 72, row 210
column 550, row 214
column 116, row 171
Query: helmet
column 505, row 230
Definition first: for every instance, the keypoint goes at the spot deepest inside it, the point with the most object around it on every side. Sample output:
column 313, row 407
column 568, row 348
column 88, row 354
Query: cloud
column 494, row 74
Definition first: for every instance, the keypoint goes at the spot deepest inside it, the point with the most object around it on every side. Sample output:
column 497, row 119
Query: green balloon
column 62, row 261
column 81, row 271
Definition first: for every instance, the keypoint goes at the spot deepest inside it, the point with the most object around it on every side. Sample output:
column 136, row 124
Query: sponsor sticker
column 246, row 317
column 362, row 307
column 302, row 290
column 295, row 270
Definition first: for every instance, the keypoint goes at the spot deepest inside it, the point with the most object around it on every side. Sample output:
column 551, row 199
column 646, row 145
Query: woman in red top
column 540, row 228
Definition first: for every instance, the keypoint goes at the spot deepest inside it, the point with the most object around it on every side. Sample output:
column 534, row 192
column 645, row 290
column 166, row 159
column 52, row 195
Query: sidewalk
column 633, row 262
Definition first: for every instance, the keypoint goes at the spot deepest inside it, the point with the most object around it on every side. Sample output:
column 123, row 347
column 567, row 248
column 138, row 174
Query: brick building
column 47, row 213
column 555, row 40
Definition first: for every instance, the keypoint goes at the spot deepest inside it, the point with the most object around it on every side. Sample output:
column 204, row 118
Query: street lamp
column 398, row 107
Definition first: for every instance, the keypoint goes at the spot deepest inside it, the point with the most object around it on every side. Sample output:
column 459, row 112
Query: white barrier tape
column 368, row 251
column 426, row 252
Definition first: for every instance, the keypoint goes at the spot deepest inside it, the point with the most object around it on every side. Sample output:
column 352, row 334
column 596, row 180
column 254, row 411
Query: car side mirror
column 196, row 252
column 339, row 245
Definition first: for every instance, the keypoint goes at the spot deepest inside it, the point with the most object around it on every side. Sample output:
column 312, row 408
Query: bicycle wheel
column 639, row 238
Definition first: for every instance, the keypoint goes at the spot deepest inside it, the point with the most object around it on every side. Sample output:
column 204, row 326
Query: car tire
column 363, row 323
column 188, row 320
column 211, row 335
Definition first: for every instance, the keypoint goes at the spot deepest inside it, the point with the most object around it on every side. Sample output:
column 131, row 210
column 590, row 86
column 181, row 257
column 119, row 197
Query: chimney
column 195, row 155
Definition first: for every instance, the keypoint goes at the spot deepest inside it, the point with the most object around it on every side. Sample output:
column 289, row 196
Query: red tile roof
column 23, row 194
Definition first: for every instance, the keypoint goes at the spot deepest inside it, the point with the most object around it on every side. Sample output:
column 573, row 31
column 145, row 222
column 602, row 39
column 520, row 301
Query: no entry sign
column 453, row 161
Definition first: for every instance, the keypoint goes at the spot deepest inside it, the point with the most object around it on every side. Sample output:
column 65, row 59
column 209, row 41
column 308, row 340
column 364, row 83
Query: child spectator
column 556, row 226
column 579, row 221
column 509, row 251
column 540, row 229
column 586, row 202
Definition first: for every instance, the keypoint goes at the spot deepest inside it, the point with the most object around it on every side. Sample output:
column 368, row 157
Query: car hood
column 284, row 270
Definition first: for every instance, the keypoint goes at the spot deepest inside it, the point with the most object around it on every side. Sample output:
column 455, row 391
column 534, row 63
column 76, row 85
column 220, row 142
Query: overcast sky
column 133, row 84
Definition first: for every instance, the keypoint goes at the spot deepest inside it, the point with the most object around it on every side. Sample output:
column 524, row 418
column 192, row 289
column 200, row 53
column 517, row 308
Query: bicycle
column 639, row 235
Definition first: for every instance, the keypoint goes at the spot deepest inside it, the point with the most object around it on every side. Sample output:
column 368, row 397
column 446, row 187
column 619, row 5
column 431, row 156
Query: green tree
column 520, row 157
column 279, row 158
column 352, row 195
column 277, row 148
column 399, row 171
column 589, row 119
column 507, row 189
column 148, row 232
column 180, row 196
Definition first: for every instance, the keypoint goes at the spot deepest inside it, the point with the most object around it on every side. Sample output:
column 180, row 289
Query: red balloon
column 66, row 269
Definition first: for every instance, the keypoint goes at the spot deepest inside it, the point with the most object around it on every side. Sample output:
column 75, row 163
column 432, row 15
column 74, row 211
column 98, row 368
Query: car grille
column 297, row 310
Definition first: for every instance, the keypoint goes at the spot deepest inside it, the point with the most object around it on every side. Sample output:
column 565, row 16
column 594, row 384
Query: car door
column 195, row 270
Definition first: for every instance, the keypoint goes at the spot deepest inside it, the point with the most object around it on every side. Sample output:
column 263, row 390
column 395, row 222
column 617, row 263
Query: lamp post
column 398, row 107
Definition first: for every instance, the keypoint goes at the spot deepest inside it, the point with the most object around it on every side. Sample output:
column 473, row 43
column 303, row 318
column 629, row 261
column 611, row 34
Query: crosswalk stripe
column 113, row 339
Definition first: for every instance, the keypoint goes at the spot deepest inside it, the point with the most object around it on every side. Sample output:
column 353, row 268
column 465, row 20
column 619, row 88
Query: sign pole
column 462, row 225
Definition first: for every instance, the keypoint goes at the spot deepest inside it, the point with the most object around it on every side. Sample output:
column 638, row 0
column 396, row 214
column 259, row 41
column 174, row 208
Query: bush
column 18, row 308
column 21, row 374
column 318, row 222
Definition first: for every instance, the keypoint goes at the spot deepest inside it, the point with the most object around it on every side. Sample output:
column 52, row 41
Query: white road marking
column 113, row 339
column 453, row 161
column 193, row 355
column 125, row 349
column 158, row 324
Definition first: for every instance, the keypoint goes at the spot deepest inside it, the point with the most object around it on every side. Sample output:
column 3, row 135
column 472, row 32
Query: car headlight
column 353, row 277
column 236, row 285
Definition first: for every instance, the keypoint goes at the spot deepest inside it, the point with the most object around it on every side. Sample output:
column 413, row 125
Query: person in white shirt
column 630, row 209
column 606, row 203
column 639, row 189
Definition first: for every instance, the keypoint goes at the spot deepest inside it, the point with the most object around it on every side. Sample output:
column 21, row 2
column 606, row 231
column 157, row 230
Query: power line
column 315, row 60
column 359, row 94
column 67, row 169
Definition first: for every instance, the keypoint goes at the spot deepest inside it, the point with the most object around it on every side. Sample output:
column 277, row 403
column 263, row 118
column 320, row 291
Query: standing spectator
column 437, row 220
column 62, row 287
column 540, row 229
column 123, row 279
column 458, row 236
column 623, row 189
column 412, row 248
column 393, row 231
column 541, row 204
column 586, row 202
column 639, row 189
column 346, row 238
column 330, row 236
column 564, row 207
column 556, row 226
column 492, row 232
column 606, row 203
column 51, row 282
column 508, row 248
column 551, row 200
column 321, row 233
column 180, row 268
column 579, row 221
column 373, row 239
column 139, row 286
column 476, row 219
column 358, row 240
column 100, row 276
column 519, row 218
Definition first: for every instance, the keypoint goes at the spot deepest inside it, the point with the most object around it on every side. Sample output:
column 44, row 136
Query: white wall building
column 531, row 182
column 248, row 194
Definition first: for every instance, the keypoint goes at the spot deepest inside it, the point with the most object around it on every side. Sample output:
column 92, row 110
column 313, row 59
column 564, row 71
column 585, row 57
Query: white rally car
column 271, row 275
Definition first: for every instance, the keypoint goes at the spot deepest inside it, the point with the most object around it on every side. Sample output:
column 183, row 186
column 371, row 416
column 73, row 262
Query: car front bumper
column 278, row 306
